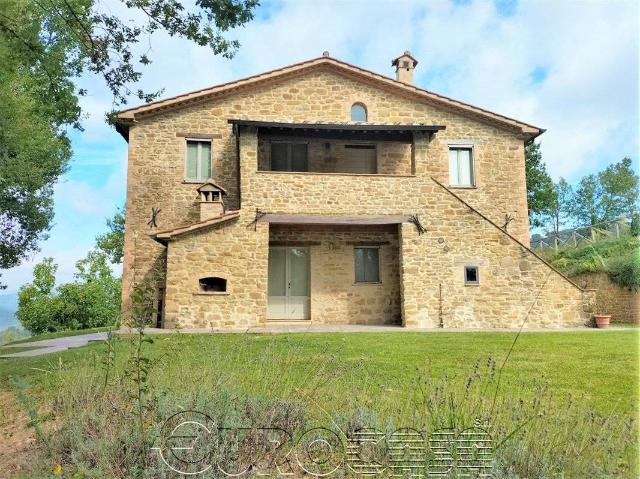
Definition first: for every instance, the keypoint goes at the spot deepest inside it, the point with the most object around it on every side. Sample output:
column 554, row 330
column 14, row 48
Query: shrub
column 635, row 224
column 617, row 257
column 625, row 271
column 92, row 300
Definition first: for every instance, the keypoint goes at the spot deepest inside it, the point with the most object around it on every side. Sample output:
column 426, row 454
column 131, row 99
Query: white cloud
column 587, row 50
column 84, row 198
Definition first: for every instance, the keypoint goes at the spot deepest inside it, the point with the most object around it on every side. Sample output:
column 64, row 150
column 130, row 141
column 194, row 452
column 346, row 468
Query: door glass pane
column 299, row 160
column 205, row 160
column 464, row 166
column 191, row 170
column 299, row 271
column 277, row 272
column 453, row 167
column 279, row 157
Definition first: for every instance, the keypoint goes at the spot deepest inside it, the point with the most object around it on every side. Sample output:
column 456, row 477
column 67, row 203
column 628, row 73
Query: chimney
column 210, row 198
column 405, row 65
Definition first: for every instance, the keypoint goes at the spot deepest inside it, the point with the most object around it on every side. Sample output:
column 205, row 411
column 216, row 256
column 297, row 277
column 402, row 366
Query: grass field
column 567, row 379
column 601, row 366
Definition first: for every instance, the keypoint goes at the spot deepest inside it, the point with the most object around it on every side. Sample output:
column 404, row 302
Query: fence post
column 617, row 230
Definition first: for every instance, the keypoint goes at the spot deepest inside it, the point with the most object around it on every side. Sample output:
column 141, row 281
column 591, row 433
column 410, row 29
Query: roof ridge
column 129, row 113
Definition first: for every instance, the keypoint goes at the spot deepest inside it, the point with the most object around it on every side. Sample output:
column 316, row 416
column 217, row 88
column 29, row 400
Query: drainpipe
column 441, row 325
column 236, row 133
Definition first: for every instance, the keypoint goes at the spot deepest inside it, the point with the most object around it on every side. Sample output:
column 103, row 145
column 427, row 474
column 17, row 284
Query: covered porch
column 334, row 269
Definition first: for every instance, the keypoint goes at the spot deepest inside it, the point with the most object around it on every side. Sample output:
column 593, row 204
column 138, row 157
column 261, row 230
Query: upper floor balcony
column 317, row 167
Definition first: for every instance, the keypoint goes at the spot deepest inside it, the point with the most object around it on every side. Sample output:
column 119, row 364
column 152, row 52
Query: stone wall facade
column 238, row 250
column 623, row 304
column 335, row 296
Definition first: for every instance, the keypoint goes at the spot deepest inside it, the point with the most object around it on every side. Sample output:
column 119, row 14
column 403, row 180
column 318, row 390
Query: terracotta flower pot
column 602, row 320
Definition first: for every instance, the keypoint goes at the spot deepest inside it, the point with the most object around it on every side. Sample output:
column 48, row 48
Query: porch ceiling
column 333, row 220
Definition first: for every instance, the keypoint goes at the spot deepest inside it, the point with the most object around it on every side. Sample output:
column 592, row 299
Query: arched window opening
column 358, row 112
column 213, row 284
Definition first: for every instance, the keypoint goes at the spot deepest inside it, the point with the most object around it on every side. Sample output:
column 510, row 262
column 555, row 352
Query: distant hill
column 8, row 308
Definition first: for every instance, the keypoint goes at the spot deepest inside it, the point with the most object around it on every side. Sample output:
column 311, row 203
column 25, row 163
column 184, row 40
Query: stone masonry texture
column 623, row 304
column 423, row 282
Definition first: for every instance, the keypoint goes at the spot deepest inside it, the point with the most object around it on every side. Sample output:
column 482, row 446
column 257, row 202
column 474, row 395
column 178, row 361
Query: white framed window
column 367, row 264
column 289, row 156
column 198, row 160
column 471, row 275
column 461, row 170
column 358, row 112
column 359, row 159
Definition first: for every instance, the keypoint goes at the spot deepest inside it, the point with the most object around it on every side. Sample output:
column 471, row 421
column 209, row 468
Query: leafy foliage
column 92, row 300
column 37, row 100
column 112, row 242
column 93, row 39
column 540, row 193
column 559, row 210
column 598, row 198
column 11, row 334
column 620, row 258
column 625, row 271
column 45, row 45
column 608, row 195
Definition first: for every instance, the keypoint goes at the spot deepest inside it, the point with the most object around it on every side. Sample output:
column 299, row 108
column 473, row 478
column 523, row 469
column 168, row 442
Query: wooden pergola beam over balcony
column 340, row 131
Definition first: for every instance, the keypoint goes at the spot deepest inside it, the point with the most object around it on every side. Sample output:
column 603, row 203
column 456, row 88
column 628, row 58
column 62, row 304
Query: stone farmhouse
column 324, row 193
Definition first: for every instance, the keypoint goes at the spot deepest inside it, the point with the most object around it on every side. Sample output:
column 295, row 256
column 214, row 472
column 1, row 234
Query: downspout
column 236, row 132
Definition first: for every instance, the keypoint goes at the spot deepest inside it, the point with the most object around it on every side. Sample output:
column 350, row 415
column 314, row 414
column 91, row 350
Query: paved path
column 54, row 345
column 297, row 327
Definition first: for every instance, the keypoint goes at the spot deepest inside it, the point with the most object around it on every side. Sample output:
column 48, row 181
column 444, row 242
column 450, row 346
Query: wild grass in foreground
column 300, row 383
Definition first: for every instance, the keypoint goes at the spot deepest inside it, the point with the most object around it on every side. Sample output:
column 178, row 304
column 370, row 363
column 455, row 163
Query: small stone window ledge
column 462, row 187
column 211, row 293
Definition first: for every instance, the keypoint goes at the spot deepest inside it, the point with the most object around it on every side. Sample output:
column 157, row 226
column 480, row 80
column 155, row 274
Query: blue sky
column 568, row 66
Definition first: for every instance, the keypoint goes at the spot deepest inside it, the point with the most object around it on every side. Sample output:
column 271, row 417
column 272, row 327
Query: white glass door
column 288, row 283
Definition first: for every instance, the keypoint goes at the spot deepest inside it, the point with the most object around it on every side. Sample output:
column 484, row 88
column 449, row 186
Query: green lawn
column 565, row 404
column 599, row 367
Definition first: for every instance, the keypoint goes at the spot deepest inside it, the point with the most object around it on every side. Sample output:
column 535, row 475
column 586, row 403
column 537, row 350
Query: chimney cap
column 209, row 185
column 406, row 54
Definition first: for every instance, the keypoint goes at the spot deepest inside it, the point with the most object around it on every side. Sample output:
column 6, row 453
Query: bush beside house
column 92, row 300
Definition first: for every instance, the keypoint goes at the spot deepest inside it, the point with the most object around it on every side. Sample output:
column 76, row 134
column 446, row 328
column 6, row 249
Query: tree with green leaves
column 91, row 300
column 608, row 195
column 540, row 192
column 560, row 208
column 112, row 242
column 45, row 46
